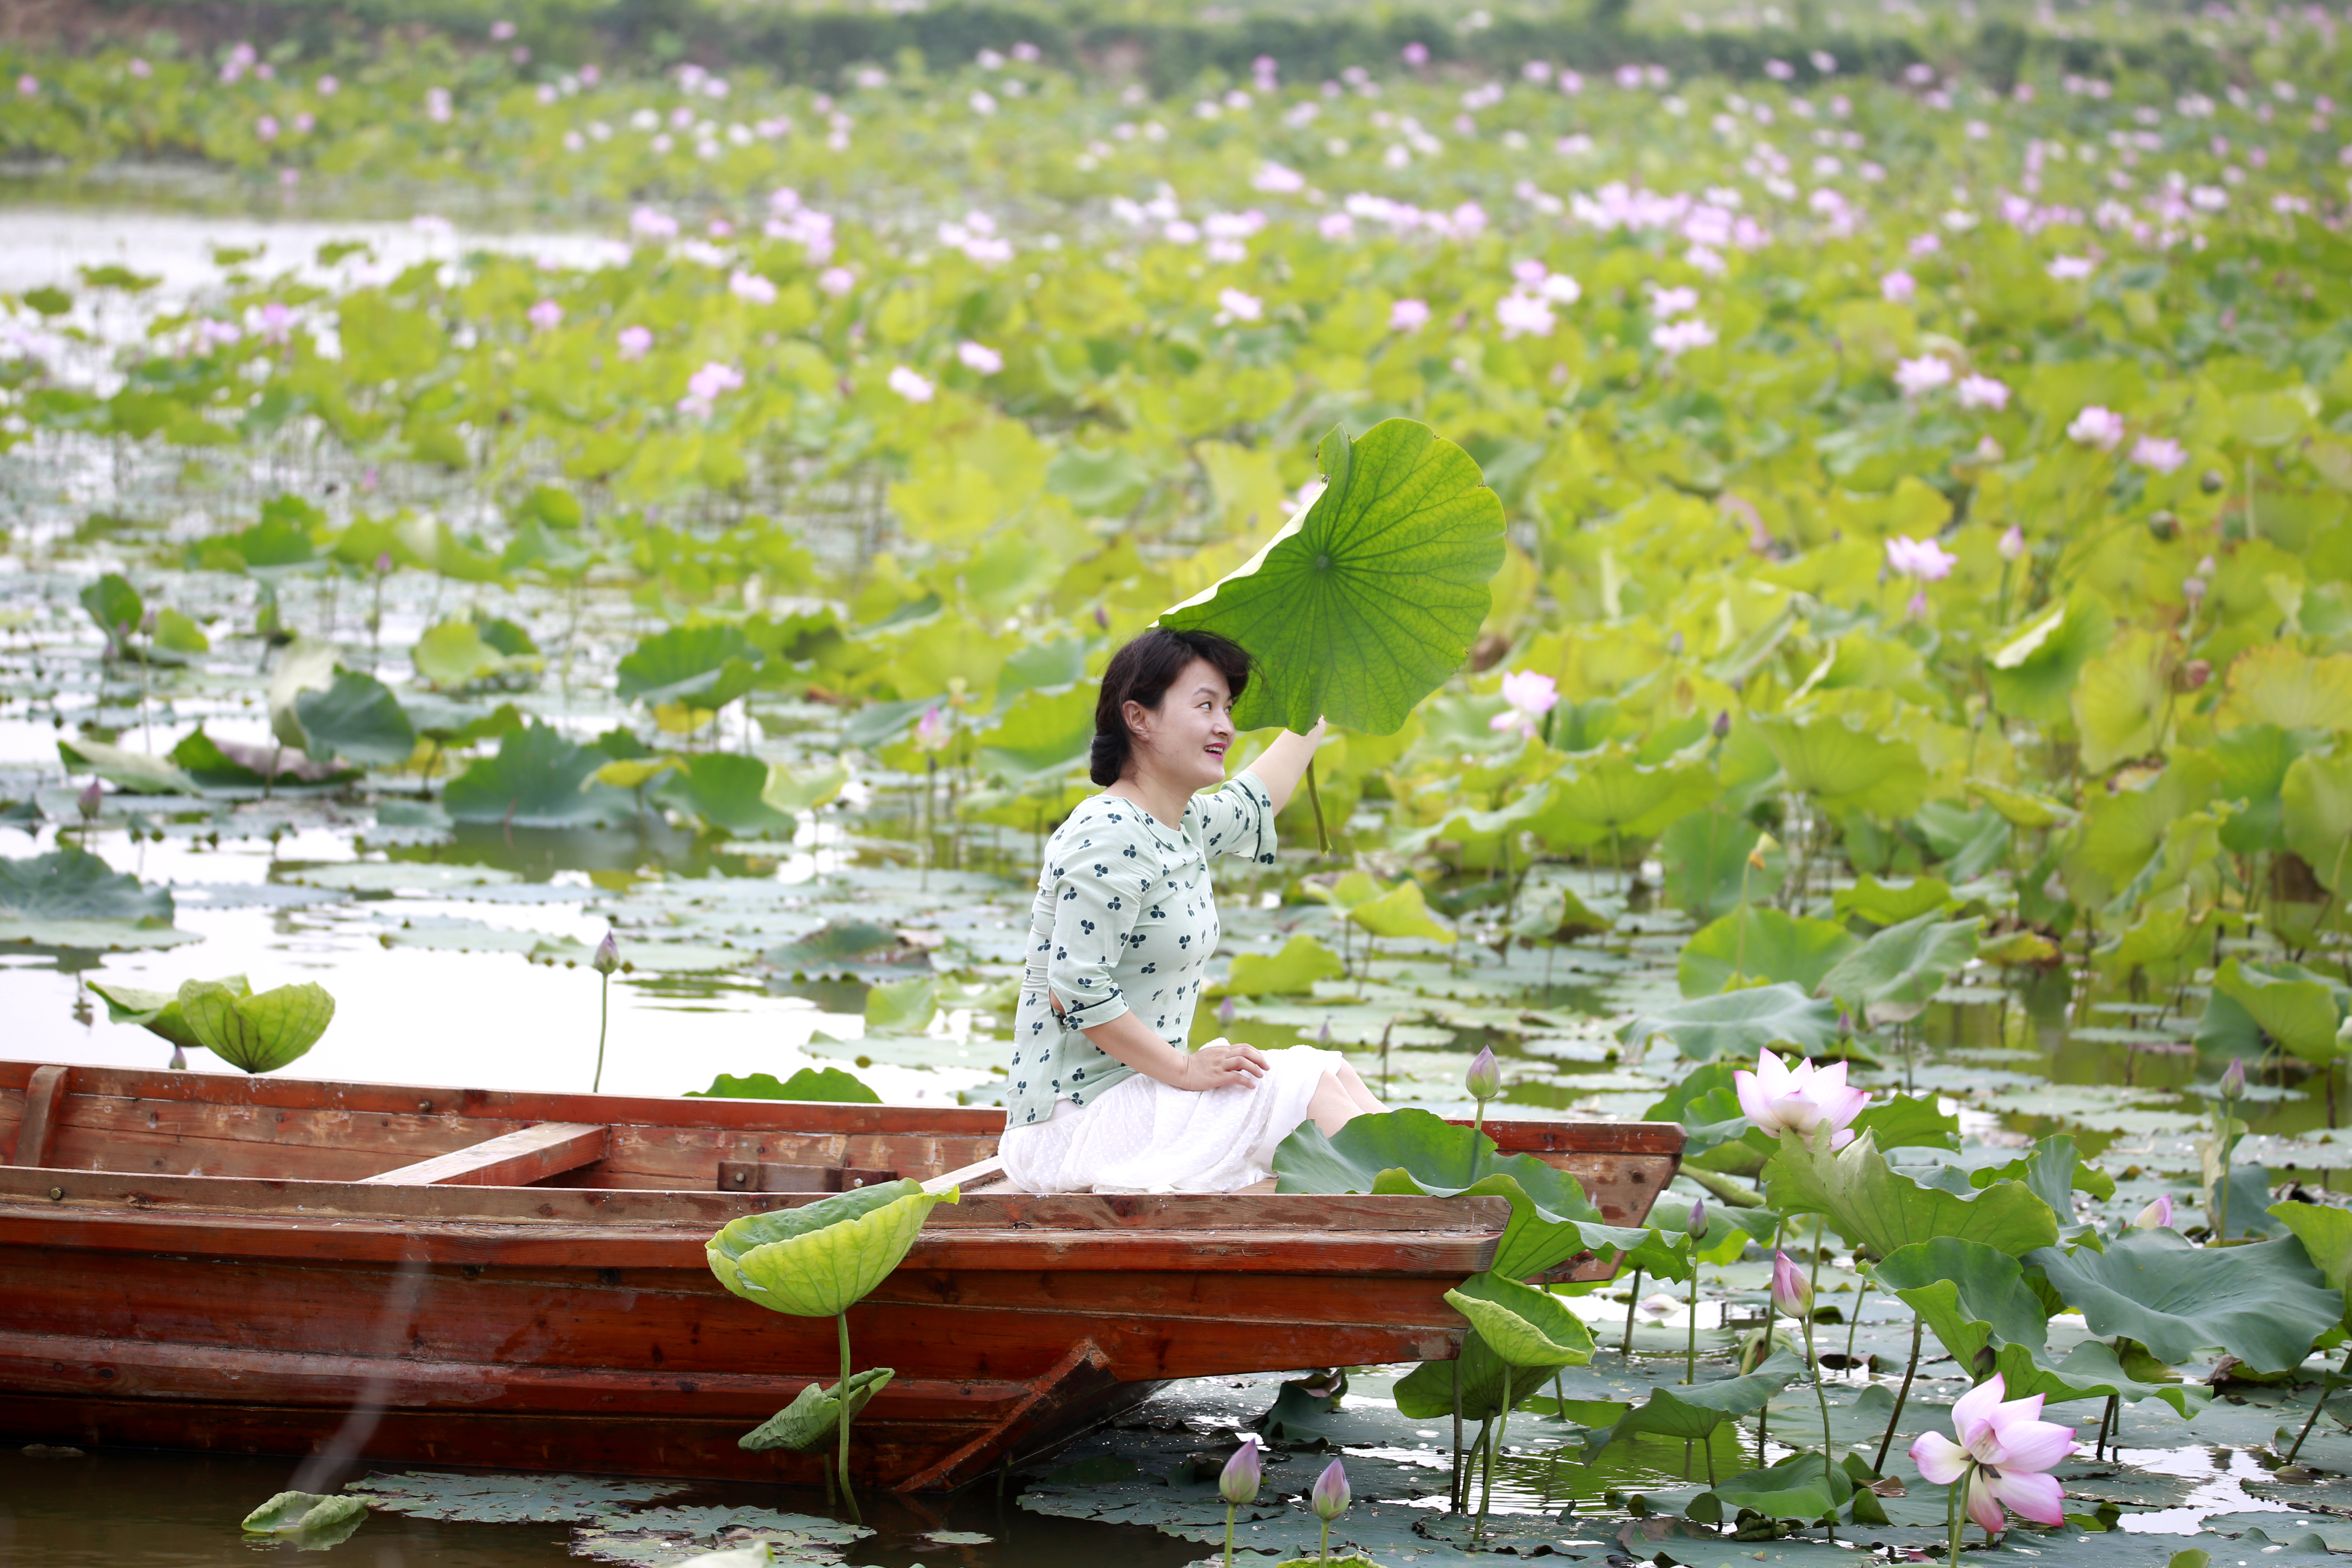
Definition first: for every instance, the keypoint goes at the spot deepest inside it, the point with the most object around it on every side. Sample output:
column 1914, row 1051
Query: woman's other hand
column 1220, row 1064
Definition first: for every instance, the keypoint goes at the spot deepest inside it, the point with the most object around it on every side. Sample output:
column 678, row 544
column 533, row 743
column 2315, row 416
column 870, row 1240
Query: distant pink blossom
column 705, row 387
column 1415, row 54
column 836, row 280
column 1898, row 287
column 1978, row 391
column 751, row 288
column 2071, row 267
column 437, row 107
column 327, row 86
column 979, row 358
column 1408, row 315
column 1524, row 315
column 28, row 86
column 2013, row 543
column 547, row 315
column 139, row 68
column 2097, row 427
column 1679, row 337
column 275, row 322
column 1919, row 377
column 1241, row 307
column 1667, row 303
column 910, row 385
column 1922, row 558
column 2159, row 453
column 1335, row 225
column 1530, row 694
column 266, row 127
column 646, row 223
column 635, row 340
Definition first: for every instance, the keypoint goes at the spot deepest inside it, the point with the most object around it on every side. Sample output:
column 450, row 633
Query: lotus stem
column 2326, row 1386
column 1229, row 1535
column 1952, row 1516
column 1315, row 799
column 1632, row 1299
column 1483, row 1457
column 603, row 1019
column 841, row 1320
column 1879, row 1467
column 1855, row 1321
column 1486, row 1492
column 1453, row 1495
column 2106, row 1424
column 1477, row 1131
column 1690, row 1347
column 1724, row 1188
column 1323, row 1554
column 1821, row 1392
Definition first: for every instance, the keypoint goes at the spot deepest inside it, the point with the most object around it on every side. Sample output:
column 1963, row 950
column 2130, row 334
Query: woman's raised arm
column 1282, row 764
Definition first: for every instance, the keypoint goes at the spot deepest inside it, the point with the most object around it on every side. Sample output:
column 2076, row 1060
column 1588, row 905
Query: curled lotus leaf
column 810, row 1422
column 822, row 1257
column 157, row 1012
column 304, row 1514
column 257, row 1032
column 1524, row 1326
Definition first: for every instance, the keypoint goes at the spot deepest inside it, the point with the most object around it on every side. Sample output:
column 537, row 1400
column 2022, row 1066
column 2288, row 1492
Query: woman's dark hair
column 1142, row 672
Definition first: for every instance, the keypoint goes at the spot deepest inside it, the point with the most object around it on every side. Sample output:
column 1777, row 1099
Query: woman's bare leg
column 1339, row 1098
column 1365, row 1100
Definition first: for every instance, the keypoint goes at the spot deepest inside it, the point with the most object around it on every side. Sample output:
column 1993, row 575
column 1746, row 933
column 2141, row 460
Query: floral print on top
column 1126, row 921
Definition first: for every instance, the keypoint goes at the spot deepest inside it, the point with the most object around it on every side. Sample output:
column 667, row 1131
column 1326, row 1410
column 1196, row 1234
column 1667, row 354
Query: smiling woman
column 1106, row 1096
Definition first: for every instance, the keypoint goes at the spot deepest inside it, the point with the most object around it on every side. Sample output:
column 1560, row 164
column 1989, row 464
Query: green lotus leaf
column 1872, row 1204
column 1611, row 793
column 839, row 944
column 1040, row 735
column 810, row 1423
column 158, row 1012
column 141, row 773
column 2120, row 700
column 1366, row 603
column 708, row 665
column 539, row 778
column 1489, row 1383
column 2325, row 1232
column 256, row 1032
column 304, row 1513
column 1707, row 870
column 2033, row 675
column 116, row 606
column 1524, row 1326
column 2280, row 685
column 2299, row 1010
column 828, row 1085
column 1672, row 1252
column 2264, row 1302
column 1890, row 903
column 1292, row 971
column 1739, row 1023
column 1706, row 1102
column 2053, row 1169
column 903, row 1005
column 1906, row 1122
column 726, row 790
column 71, row 884
column 1891, row 978
column 2021, row 807
column 1804, row 1487
column 1845, row 765
column 2315, row 808
column 795, row 792
column 1692, row 1411
column 1414, row 1152
column 355, row 717
column 2251, row 764
column 822, row 1257
column 454, row 655
column 1758, row 942
column 1401, row 911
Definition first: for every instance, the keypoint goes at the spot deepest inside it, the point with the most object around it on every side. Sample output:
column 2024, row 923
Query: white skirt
column 1143, row 1136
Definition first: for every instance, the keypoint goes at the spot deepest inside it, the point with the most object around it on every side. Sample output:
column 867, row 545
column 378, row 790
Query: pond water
column 454, row 953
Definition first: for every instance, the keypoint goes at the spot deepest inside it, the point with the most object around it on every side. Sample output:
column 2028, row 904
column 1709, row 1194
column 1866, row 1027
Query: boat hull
column 580, row 1328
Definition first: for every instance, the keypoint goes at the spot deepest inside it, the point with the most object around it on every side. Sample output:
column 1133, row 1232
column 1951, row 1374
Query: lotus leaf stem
column 1487, row 1491
column 2106, row 1424
column 2327, row 1386
column 1724, row 1188
column 1632, row 1299
column 1315, row 799
column 841, row 1320
column 1483, row 1457
column 603, row 1018
column 1821, row 1393
column 1855, row 1321
column 1690, row 1346
column 1453, row 1495
column 1879, row 1464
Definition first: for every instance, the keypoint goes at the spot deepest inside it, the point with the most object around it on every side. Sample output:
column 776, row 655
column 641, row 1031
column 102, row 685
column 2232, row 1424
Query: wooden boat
column 469, row 1276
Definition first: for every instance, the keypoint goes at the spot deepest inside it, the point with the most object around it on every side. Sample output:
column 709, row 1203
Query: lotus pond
column 461, row 503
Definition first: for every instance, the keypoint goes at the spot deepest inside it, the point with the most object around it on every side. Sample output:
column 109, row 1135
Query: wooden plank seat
column 774, row 1176
column 514, row 1159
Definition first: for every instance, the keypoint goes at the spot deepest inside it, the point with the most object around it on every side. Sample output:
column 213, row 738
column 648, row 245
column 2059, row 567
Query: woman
column 1105, row 1096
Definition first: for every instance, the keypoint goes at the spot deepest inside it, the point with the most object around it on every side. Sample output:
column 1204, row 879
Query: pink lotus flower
column 908, row 385
column 1919, row 377
column 979, row 358
column 1524, row 315
column 547, row 315
column 2013, row 543
column 1898, row 287
column 836, row 280
column 1241, row 307
column 266, row 127
column 1922, row 558
column 1803, row 1100
column 2070, row 267
column 706, row 385
column 635, row 340
column 1531, row 694
column 1982, row 392
column 647, row 224
column 2157, row 1215
column 2004, row 1449
column 2097, row 427
column 751, row 288
column 1408, row 315
column 2158, row 454
column 1679, row 337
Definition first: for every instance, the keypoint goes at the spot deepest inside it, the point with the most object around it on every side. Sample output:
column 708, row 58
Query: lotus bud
column 1765, row 844
column 179, row 1058
column 1675, row 644
column 2157, row 1215
column 383, row 562
column 2205, row 568
column 2233, row 1080
column 1329, row 1498
column 1102, row 617
column 2195, row 674
column 2012, row 543
column 91, row 799
column 1239, row 1482
column 1698, row 1219
column 1792, row 1293
column 1485, row 1080
column 2193, row 589
column 1722, row 724
column 1323, row 1034
column 1225, row 1014
column 608, row 955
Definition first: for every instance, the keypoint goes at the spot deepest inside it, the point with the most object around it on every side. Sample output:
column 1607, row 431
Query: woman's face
column 1184, row 739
